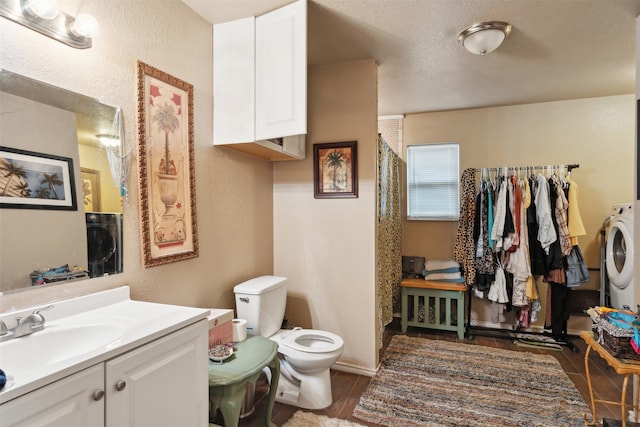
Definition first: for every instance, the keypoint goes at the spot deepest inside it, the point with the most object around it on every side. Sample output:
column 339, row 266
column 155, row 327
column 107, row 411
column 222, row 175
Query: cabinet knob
column 98, row 395
column 120, row 385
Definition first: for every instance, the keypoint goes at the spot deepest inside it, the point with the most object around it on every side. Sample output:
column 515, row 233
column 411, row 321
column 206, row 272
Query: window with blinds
column 433, row 182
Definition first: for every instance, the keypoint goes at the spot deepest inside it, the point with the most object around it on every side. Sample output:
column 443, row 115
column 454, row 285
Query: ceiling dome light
column 84, row 25
column 45, row 9
column 485, row 37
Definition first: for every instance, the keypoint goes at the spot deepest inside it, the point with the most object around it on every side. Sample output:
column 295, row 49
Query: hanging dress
column 519, row 264
column 464, row 248
column 576, row 227
column 485, row 257
column 546, row 231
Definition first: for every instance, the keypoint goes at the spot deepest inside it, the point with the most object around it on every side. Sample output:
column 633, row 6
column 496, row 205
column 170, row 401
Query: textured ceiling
column 558, row 49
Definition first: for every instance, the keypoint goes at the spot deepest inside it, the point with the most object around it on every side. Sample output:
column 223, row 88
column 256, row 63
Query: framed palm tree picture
column 30, row 180
column 166, row 167
column 335, row 170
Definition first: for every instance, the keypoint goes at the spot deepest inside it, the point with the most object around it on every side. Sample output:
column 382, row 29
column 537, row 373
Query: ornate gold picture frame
column 166, row 167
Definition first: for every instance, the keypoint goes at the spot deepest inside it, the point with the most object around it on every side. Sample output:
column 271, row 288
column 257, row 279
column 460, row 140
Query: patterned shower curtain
column 389, row 251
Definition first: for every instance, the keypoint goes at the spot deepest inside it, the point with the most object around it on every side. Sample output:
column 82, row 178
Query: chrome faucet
column 30, row 324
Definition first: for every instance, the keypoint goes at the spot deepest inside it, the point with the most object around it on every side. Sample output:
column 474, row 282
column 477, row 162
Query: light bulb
column 108, row 140
column 84, row 25
column 45, row 9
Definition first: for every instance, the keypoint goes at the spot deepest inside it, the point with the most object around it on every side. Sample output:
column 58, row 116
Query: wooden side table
column 228, row 380
column 431, row 293
column 621, row 366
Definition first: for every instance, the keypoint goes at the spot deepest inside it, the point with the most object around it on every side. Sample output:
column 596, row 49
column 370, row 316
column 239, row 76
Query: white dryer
column 619, row 257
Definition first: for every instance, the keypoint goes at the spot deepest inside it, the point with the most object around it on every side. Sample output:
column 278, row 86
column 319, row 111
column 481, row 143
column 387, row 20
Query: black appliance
column 412, row 266
column 104, row 243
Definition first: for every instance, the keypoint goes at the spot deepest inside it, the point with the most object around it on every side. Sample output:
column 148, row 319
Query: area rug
column 437, row 383
column 309, row 419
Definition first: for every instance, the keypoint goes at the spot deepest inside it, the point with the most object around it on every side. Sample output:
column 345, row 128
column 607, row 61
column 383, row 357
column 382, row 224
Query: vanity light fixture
column 45, row 9
column 44, row 17
column 484, row 37
column 84, row 25
column 108, row 140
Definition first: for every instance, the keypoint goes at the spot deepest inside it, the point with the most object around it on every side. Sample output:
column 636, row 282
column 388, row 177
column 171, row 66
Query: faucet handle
column 3, row 328
column 49, row 307
column 39, row 316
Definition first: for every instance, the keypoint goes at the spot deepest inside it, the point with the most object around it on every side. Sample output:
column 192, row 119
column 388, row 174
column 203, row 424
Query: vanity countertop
column 84, row 331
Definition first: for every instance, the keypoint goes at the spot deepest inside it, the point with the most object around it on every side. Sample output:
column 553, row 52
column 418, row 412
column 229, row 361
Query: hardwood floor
column 347, row 388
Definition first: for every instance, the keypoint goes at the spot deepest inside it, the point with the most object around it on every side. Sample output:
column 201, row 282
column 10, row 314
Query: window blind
column 433, row 182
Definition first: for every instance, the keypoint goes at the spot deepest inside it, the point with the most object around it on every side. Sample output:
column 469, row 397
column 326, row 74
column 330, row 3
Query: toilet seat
column 311, row 341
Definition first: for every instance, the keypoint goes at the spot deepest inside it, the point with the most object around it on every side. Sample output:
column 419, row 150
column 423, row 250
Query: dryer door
column 620, row 254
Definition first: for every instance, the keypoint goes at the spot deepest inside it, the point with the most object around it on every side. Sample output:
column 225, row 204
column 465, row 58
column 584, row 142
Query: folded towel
column 459, row 280
column 442, row 270
column 443, row 276
column 435, row 264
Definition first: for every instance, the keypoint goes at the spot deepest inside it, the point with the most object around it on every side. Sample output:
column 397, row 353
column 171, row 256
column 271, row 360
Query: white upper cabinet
column 281, row 72
column 260, row 83
column 233, row 81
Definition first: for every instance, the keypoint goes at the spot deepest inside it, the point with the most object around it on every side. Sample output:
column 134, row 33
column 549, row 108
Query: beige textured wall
column 391, row 131
column 233, row 191
column 597, row 133
column 326, row 247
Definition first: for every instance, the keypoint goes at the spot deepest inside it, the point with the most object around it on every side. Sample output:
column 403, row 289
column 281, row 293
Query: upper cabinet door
column 233, row 81
column 281, row 72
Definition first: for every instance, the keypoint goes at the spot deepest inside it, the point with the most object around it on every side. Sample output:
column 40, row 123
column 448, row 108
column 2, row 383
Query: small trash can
column 248, row 404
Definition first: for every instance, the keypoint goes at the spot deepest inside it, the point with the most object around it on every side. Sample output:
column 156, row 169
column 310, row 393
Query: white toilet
column 305, row 354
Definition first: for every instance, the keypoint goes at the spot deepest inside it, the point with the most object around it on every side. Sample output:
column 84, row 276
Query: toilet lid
column 312, row 341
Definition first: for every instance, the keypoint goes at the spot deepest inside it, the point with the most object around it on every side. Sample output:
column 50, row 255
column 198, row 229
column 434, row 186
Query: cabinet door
column 233, row 81
column 162, row 384
column 281, row 72
column 74, row 401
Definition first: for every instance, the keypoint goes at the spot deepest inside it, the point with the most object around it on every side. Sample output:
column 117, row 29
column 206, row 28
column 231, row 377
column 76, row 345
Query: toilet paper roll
column 239, row 330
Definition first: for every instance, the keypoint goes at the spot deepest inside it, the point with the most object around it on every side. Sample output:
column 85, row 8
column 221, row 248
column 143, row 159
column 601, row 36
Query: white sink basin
column 82, row 332
column 55, row 344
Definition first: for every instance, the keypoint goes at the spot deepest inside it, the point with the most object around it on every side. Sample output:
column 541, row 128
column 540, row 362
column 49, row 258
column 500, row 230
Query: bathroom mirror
column 41, row 246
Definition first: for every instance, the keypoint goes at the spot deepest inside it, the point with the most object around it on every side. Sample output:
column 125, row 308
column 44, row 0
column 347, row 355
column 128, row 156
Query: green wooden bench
column 442, row 305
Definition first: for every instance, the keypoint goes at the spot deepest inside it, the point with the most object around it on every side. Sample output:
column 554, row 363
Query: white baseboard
column 352, row 369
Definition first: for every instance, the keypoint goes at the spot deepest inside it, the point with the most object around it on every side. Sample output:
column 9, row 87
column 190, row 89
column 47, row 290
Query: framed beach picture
column 166, row 167
column 335, row 170
column 30, row 180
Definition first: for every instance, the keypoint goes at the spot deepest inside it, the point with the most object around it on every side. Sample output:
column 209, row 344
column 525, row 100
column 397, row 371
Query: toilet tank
column 261, row 302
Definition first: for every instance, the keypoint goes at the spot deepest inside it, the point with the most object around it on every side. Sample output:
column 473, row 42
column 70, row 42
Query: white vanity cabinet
column 162, row 383
column 260, row 83
column 74, row 401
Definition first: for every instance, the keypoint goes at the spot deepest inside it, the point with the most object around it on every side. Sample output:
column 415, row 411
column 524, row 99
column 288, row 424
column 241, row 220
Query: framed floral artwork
column 335, row 170
column 166, row 167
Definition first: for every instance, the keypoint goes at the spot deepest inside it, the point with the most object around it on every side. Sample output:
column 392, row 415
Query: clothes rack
column 513, row 332
column 569, row 167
